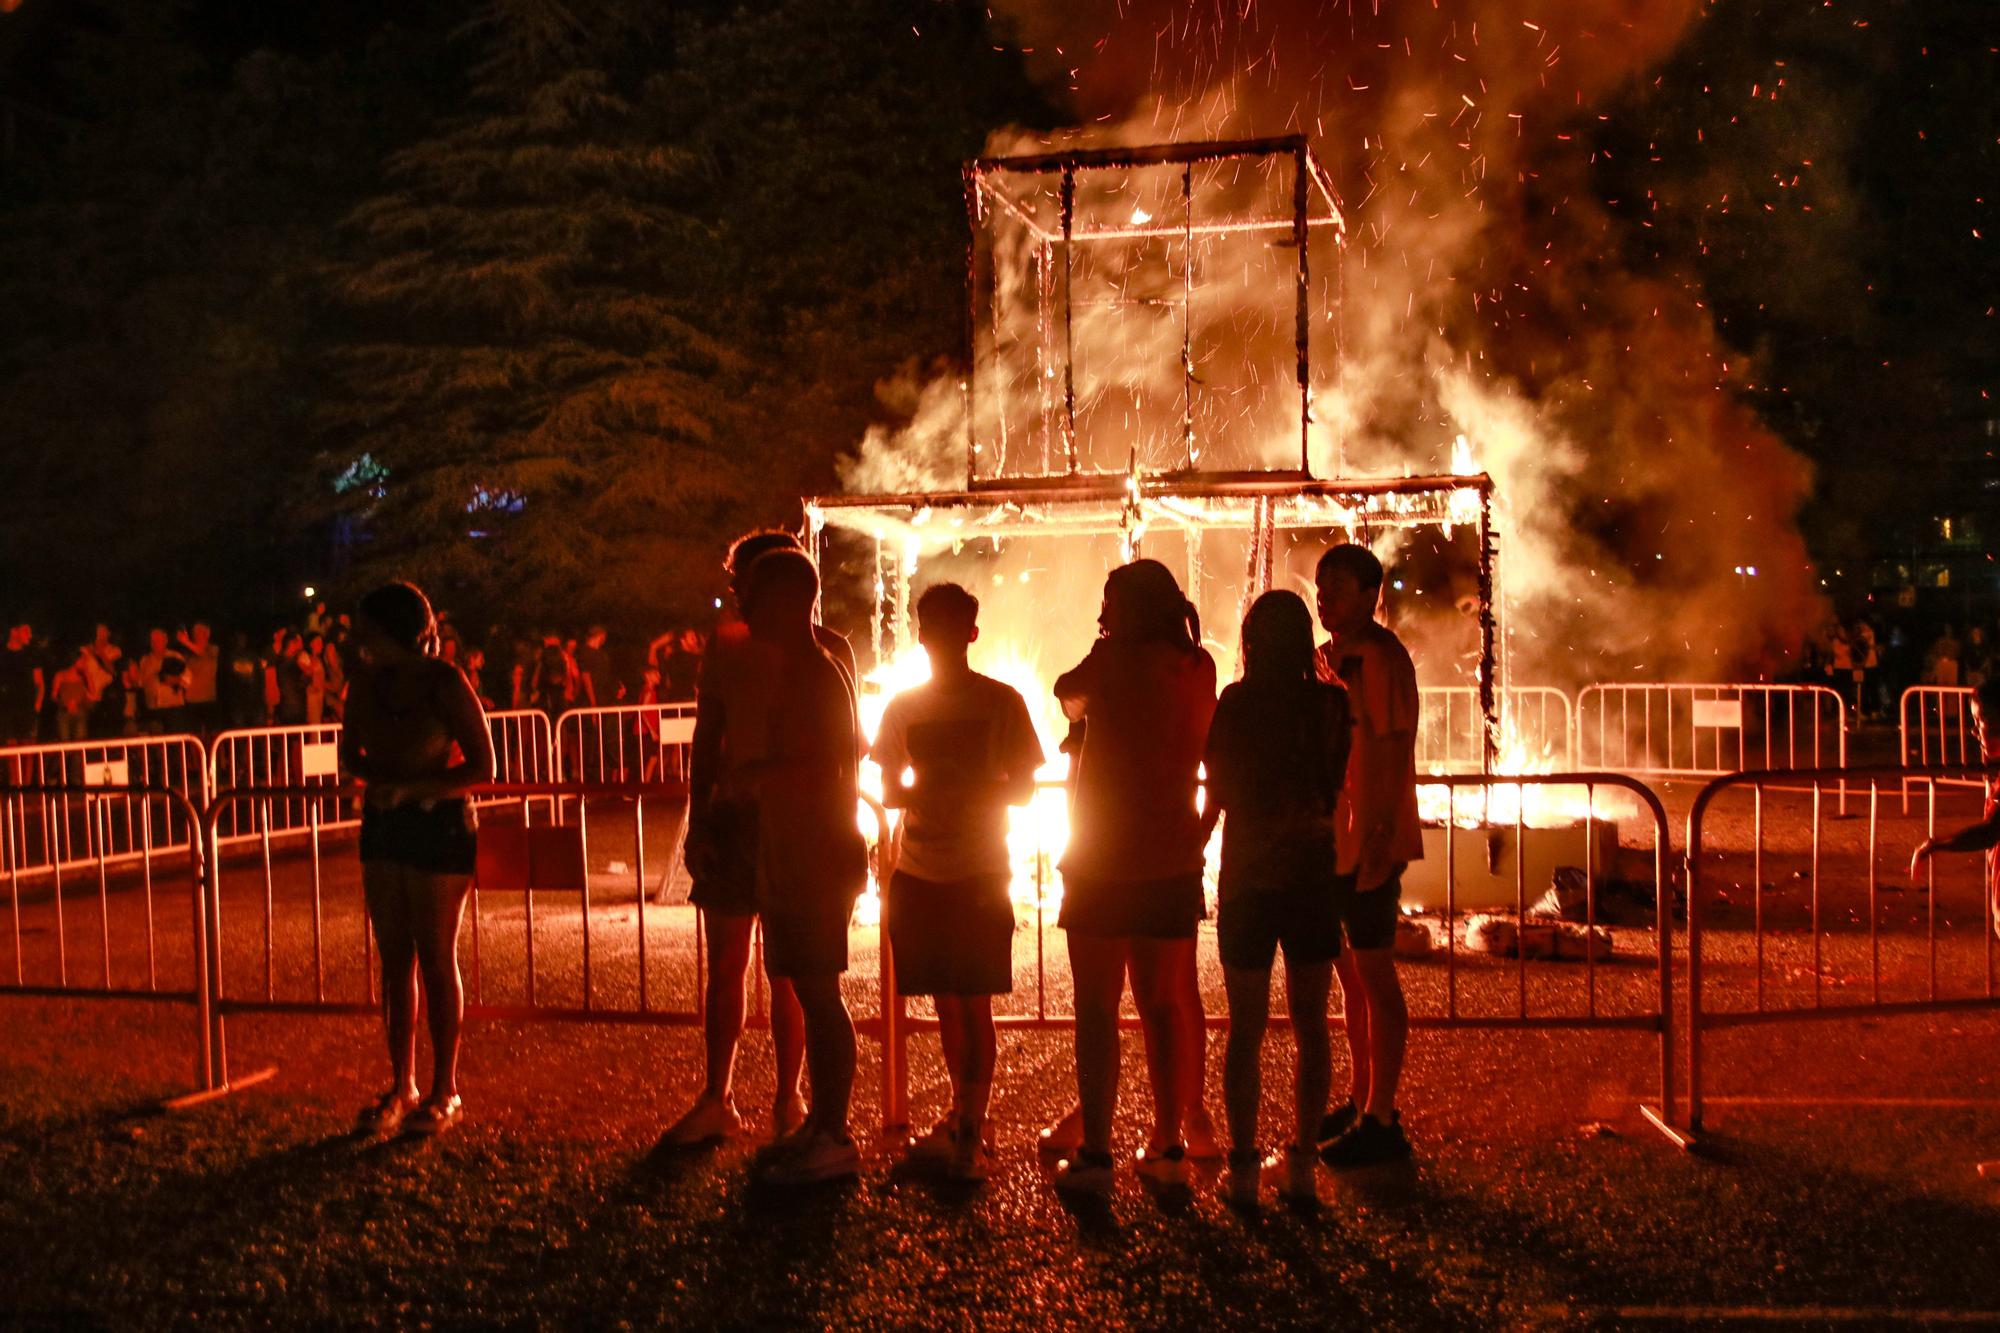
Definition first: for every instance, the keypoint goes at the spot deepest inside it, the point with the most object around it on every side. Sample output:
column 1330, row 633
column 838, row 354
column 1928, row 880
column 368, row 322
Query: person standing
column 553, row 685
column 241, row 684
column 1132, row 873
column 162, row 686
column 722, row 859
column 1277, row 754
column 811, row 862
column 23, row 688
column 417, row 738
column 204, row 659
column 103, row 676
column 71, row 691
column 1378, row 835
column 595, row 685
column 969, row 750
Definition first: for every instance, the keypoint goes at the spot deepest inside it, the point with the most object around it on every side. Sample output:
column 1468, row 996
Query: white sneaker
column 940, row 1145
column 1087, row 1173
column 1300, row 1185
column 1163, row 1168
column 709, row 1120
column 817, row 1158
column 1065, row 1137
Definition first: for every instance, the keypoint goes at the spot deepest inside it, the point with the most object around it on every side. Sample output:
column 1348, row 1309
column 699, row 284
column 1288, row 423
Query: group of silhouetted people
column 1310, row 770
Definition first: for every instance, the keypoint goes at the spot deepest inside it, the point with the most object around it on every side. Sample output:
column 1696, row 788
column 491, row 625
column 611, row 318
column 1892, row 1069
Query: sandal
column 435, row 1117
column 386, row 1114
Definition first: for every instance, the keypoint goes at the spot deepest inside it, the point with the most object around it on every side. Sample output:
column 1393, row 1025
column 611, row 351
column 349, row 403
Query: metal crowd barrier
column 1687, row 731
column 117, row 912
column 582, row 941
column 1451, row 729
column 1826, row 931
column 1935, row 726
column 1455, row 988
column 625, row 743
column 49, row 836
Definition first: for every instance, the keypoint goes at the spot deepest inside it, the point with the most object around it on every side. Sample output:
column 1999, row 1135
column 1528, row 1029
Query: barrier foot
column 207, row 1095
column 1657, row 1118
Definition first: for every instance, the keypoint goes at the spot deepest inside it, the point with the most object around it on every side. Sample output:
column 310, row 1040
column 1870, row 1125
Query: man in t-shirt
column 955, row 753
column 593, row 671
column 162, row 685
column 23, row 688
column 1377, row 835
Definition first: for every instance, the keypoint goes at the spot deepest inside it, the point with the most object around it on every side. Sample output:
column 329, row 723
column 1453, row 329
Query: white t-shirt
column 973, row 731
column 1382, row 694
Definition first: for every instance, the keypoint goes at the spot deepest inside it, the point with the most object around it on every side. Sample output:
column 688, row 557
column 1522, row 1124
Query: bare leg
column 1242, row 1070
column 437, row 908
column 1388, row 1028
column 1158, row 989
column 788, row 1039
column 385, row 886
column 952, row 1036
column 1097, row 968
column 1306, row 989
column 1194, row 1039
column 722, row 1023
column 829, row 1051
column 1354, row 1004
column 981, row 1052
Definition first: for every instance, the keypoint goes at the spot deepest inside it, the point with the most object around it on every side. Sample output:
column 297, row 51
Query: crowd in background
column 1870, row 660
column 190, row 679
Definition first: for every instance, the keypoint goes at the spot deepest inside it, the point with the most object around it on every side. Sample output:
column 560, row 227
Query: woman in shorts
column 1277, row 752
column 416, row 737
column 1132, row 874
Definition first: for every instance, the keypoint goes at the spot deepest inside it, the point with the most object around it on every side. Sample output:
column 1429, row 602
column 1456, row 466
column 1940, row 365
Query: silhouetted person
column 1378, row 836
column 416, row 736
column 1277, row 753
column 1132, row 874
column 968, row 748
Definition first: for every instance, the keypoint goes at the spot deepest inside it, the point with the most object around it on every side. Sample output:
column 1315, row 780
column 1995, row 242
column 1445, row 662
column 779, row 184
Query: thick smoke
column 1483, row 295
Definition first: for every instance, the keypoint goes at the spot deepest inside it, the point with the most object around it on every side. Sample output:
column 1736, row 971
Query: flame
column 1534, row 805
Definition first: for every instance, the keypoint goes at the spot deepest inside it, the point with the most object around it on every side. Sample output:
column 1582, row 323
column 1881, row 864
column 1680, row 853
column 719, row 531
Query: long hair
column 1154, row 604
column 1278, row 639
column 403, row 614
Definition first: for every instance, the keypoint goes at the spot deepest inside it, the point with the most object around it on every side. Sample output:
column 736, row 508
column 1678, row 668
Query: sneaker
column 1299, row 1185
column 816, row 1159
column 385, row 1115
column 971, row 1160
column 709, row 1120
column 1164, row 1168
column 1243, row 1183
column 435, row 1117
column 1065, row 1137
column 1203, row 1145
column 1087, row 1172
column 940, row 1145
column 1338, row 1121
column 1369, row 1143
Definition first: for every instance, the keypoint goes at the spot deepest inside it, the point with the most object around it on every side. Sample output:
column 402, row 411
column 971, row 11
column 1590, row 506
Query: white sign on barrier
column 1726, row 714
column 107, row 773
column 676, row 729
column 319, row 759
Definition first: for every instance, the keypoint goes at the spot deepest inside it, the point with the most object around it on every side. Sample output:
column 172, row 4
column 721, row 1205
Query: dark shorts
column 725, row 881
column 436, row 837
column 1151, row 909
column 1369, row 919
column 952, row 938
column 1251, row 924
column 807, row 940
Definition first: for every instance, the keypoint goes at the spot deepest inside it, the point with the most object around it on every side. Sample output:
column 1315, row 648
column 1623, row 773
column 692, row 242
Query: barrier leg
column 895, row 1063
column 216, row 1083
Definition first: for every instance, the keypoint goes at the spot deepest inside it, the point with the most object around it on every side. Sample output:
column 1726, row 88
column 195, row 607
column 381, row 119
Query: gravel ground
column 1834, row 1183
